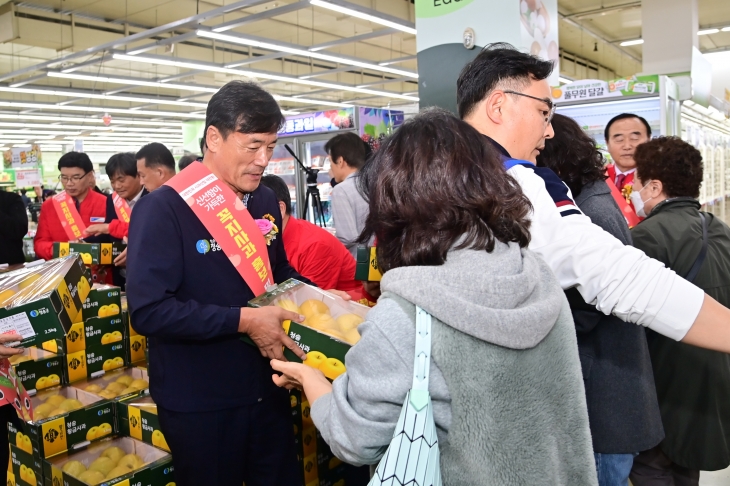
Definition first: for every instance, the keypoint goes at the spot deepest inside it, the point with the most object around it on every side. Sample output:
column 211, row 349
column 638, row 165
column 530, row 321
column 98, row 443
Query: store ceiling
column 311, row 57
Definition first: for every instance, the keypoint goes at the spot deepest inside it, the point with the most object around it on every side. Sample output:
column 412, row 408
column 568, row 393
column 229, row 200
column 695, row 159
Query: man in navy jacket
column 224, row 419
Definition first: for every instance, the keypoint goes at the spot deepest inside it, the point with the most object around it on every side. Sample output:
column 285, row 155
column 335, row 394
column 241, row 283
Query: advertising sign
column 318, row 122
column 27, row 157
column 28, row 178
column 588, row 89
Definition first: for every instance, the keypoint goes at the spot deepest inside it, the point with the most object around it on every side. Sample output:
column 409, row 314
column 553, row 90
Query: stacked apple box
column 366, row 267
column 137, row 418
column 136, row 343
column 327, row 333
column 38, row 369
column 96, row 341
column 91, row 253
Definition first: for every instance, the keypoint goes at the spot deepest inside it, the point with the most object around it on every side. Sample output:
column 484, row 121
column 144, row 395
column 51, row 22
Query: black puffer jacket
column 693, row 384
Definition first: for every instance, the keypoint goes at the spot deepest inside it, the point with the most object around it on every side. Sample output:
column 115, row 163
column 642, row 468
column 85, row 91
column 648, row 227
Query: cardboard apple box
column 136, row 349
column 137, row 418
column 95, row 331
column 321, row 335
column 366, row 267
column 95, row 386
column 38, row 369
column 156, row 470
column 103, row 301
column 26, row 470
column 40, row 302
column 92, row 253
column 95, row 361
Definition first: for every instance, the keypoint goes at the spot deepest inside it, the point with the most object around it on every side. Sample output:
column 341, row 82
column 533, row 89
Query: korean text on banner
column 121, row 207
column 69, row 216
column 228, row 221
column 28, row 178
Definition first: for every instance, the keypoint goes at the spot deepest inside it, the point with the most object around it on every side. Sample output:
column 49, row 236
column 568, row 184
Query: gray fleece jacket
column 505, row 380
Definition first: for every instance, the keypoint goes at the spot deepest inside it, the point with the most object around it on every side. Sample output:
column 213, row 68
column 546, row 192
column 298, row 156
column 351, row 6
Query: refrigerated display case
column 306, row 135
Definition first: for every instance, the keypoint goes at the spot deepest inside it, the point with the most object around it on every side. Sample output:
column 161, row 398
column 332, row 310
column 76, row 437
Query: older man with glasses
column 77, row 179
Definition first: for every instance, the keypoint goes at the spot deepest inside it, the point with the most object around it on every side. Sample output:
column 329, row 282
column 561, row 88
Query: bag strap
column 703, row 252
column 422, row 361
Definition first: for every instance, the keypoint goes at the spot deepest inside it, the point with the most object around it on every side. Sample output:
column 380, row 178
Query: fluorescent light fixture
column 135, row 82
column 102, row 129
column 708, row 31
column 634, row 42
column 192, row 87
column 12, row 141
column 364, row 16
column 726, row 29
column 253, row 74
column 71, row 119
column 564, row 80
column 302, row 52
column 81, row 94
column 98, row 109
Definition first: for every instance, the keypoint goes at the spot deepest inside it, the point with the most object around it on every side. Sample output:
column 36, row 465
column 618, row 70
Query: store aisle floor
column 716, row 478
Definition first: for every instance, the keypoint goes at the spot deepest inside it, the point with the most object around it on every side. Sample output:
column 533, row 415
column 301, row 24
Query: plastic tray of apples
column 53, row 403
column 325, row 313
column 116, row 383
column 106, row 461
column 32, row 281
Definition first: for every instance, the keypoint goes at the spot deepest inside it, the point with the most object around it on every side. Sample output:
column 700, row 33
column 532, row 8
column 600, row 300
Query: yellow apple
column 352, row 336
column 57, row 411
column 71, row 404
column 19, row 439
column 27, row 446
column 315, row 360
column 115, row 387
column 128, row 390
column 54, row 380
column 43, row 408
column 103, row 465
column 86, row 258
column 106, row 339
column 116, row 337
column 131, row 461
column 332, row 368
column 107, row 394
column 74, row 468
column 118, row 361
column 125, row 380
column 289, row 305
column 30, row 476
column 93, row 388
column 336, row 333
column 55, row 400
column 24, row 472
column 41, row 383
column 104, row 429
column 117, row 472
column 28, row 281
column 6, row 295
column 158, row 440
column 321, row 322
column 91, row 433
column 312, row 306
column 112, row 310
column 92, row 477
column 140, row 384
column 114, row 453
column 108, row 365
column 348, row 322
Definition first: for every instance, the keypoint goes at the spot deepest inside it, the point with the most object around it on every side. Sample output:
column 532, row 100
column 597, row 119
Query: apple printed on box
column 328, row 330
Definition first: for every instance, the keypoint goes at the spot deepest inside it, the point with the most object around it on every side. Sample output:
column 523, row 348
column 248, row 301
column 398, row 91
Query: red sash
column 69, row 216
column 632, row 219
column 228, row 221
column 121, row 208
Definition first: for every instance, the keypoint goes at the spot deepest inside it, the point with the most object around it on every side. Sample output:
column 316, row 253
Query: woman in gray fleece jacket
column 505, row 381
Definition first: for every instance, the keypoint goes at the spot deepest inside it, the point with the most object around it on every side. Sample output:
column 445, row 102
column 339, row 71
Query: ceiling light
column 708, row 31
column 564, row 80
column 303, row 52
column 158, row 84
column 135, row 82
column 634, row 42
column 117, row 123
column 81, row 94
column 355, row 13
column 98, row 109
column 12, row 141
column 253, row 74
column 103, row 129
column 726, row 29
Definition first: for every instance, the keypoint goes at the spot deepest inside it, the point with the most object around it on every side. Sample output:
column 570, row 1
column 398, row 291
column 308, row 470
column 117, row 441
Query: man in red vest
column 623, row 134
column 77, row 178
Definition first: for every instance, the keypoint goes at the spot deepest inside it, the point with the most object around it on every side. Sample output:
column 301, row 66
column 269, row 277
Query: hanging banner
column 589, row 89
column 28, row 178
column 69, row 216
column 28, row 157
column 121, row 207
column 228, row 221
column 318, row 122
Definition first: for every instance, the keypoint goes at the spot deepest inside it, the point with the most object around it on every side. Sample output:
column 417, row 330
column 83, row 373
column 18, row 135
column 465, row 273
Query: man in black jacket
column 223, row 417
column 13, row 227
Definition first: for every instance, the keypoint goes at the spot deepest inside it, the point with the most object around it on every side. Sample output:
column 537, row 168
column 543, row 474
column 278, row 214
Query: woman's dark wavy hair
column 674, row 162
column 572, row 154
column 437, row 182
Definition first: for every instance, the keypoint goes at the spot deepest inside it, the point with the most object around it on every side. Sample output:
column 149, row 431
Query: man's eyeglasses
column 74, row 179
column 547, row 101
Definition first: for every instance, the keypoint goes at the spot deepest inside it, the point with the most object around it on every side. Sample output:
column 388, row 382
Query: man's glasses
column 547, row 101
column 74, row 179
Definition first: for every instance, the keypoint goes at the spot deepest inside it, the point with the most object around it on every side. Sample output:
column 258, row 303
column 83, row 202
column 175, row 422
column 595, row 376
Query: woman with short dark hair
column 693, row 384
column 622, row 403
column 452, row 229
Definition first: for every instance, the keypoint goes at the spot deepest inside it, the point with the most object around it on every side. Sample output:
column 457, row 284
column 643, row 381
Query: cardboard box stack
column 327, row 333
column 366, row 267
column 91, row 253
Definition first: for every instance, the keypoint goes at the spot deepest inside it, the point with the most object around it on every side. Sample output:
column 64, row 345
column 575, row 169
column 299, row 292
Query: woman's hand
column 6, row 352
column 302, row 377
column 97, row 229
column 340, row 294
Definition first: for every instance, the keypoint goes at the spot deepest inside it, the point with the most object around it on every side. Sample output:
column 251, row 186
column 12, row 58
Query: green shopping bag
column 412, row 458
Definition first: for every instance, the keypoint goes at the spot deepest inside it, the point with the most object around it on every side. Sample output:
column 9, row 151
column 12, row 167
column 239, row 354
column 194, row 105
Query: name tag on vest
column 228, row 221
